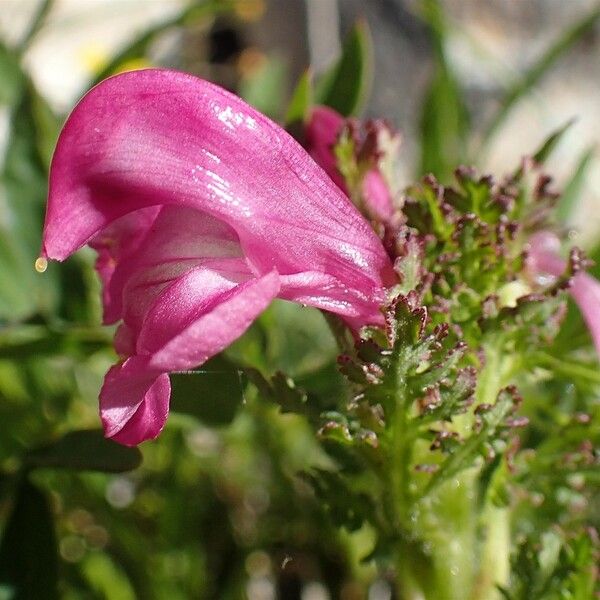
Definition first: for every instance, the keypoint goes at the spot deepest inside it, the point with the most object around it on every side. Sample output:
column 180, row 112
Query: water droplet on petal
column 41, row 264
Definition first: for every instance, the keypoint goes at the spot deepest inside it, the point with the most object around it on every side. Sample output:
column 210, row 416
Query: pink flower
column 202, row 211
column 544, row 258
column 371, row 189
column 322, row 132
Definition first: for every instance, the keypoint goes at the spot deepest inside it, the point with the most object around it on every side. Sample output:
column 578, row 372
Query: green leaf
column 444, row 118
column 531, row 78
column 16, row 299
column 283, row 391
column 11, row 76
column 572, row 191
column 346, row 85
column 264, row 89
column 345, row 506
column 23, row 181
column 298, row 339
column 443, row 126
column 28, row 551
column 25, row 342
column 551, row 142
column 594, row 255
column 192, row 14
column 23, row 176
column 554, row 566
column 492, row 421
column 22, row 191
column 37, row 22
column 47, row 127
column 84, row 450
column 302, row 100
column 107, row 578
column 543, row 153
column 212, row 394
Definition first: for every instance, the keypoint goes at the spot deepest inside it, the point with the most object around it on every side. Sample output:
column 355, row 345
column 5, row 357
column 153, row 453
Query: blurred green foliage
column 238, row 491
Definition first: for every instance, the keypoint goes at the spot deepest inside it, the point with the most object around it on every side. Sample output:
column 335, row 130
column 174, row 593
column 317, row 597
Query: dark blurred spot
column 225, row 44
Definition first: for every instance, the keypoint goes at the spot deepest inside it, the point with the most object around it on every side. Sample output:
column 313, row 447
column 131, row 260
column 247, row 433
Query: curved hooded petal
column 585, row 289
column 195, row 318
column 161, row 137
column 202, row 211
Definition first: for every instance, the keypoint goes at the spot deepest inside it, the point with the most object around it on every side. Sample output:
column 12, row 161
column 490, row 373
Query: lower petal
column 195, row 340
column 134, row 402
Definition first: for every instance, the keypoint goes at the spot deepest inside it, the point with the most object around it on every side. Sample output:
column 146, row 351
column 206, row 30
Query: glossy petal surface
column 202, row 211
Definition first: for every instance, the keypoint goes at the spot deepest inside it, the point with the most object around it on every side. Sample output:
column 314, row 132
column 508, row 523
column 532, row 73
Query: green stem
column 409, row 567
column 494, row 565
column 446, row 560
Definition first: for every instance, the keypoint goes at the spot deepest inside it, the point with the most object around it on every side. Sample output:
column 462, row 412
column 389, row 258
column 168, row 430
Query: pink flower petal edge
column 322, row 132
column 376, row 193
column 202, row 211
column 585, row 289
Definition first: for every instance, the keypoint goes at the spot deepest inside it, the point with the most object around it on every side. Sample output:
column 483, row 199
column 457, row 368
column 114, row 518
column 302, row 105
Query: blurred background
column 217, row 510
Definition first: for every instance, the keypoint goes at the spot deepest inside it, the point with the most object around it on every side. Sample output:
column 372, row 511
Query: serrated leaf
column 84, row 450
column 28, row 551
column 453, row 396
column 554, row 566
column 492, row 420
column 409, row 265
column 346, row 85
